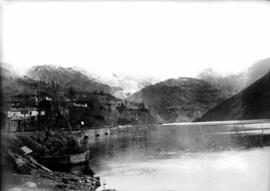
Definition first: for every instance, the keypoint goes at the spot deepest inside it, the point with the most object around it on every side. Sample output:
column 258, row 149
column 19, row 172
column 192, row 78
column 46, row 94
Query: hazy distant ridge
column 251, row 103
column 232, row 84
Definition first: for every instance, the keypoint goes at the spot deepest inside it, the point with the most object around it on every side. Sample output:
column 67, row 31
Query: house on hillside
column 134, row 105
column 114, row 104
column 18, row 118
column 83, row 105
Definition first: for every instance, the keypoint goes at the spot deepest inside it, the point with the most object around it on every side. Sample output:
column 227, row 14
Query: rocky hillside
column 25, row 172
column 47, row 79
column 104, row 109
column 12, row 85
column 67, row 89
column 178, row 100
column 251, row 103
column 228, row 84
column 67, row 77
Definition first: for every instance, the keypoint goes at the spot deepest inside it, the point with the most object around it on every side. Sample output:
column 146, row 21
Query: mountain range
column 233, row 83
column 125, row 85
column 251, row 103
column 178, row 100
column 171, row 100
column 67, row 77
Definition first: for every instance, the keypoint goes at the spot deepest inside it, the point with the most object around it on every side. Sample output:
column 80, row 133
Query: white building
column 24, row 113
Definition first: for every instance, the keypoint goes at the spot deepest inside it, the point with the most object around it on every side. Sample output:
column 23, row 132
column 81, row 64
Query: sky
column 163, row 39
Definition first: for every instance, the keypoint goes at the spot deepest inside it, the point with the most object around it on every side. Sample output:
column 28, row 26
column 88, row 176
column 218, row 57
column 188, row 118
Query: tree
column 71, row 92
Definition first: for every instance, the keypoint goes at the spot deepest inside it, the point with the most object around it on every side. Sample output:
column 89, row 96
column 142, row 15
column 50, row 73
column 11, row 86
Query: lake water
column 165, row 162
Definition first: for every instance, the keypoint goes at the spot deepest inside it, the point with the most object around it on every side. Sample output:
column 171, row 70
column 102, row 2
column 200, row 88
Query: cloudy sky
column 160, row 39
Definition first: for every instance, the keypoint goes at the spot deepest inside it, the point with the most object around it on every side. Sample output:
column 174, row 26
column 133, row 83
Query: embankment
column 21, row 171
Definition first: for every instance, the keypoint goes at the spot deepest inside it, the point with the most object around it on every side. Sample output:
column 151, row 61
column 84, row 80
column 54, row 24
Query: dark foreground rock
column 49, row 181
column 21, row 172
column 28, row 174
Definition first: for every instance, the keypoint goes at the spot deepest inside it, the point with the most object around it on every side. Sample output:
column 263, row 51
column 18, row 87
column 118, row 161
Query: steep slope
column 104, row 109
column 234, row 83
column 101, row 108
column 257, row 71
column 228, row 84
column 12, row 84
column 251, row 103
column 67, row 77
column 178, row 100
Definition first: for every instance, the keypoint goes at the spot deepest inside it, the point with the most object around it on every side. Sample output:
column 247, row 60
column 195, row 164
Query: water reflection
column 173, row 161
column 225, row 170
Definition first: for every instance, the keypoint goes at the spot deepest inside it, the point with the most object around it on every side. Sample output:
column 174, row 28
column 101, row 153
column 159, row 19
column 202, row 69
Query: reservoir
column 169, row 160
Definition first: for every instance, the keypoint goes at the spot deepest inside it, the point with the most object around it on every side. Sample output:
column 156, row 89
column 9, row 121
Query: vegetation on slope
column 178, row 100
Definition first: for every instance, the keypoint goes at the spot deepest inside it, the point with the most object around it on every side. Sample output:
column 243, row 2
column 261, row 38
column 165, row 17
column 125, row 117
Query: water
column 226, row 170
column 164, row 162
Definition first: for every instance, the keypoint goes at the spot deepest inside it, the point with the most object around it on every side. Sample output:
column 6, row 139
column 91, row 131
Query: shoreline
column 36, row 178
column 22, row 172
column 49, row 181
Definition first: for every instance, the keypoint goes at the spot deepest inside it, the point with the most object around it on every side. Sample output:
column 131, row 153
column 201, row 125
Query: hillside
column 251, row 103
column 228, row 84
column 178, row 100
column 257, row 71
column 101, row 109
column 48, row 79
column 234, row 83
column 13, row 85
column 104, row 109
column 67, row 77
